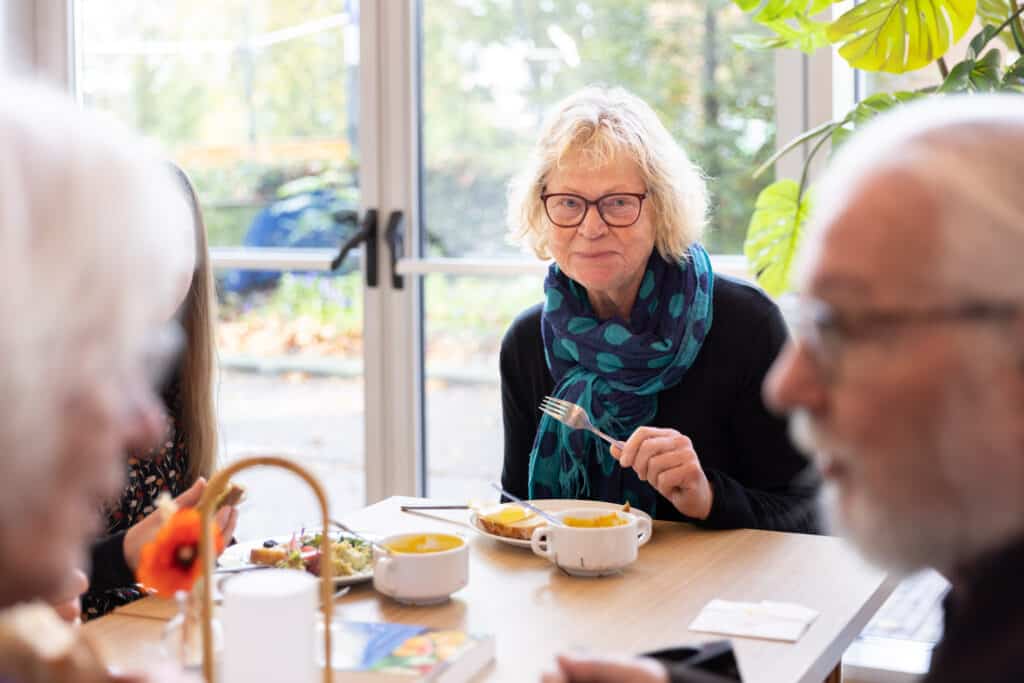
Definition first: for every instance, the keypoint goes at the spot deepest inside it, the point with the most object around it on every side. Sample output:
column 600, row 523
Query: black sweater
column 984, row 622
column 759, row 480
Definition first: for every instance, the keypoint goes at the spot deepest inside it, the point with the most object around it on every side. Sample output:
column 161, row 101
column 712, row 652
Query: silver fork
column 571, row 415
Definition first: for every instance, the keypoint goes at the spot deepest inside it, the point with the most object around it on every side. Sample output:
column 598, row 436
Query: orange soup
column 419, row 544
column 610, row 519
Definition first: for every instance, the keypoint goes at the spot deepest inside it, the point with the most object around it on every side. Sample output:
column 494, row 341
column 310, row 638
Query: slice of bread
column 497, row 521
column 269, row 556
column 232, row 494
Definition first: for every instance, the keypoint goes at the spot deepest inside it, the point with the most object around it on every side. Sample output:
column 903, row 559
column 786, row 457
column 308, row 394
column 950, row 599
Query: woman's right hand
column 146, row 530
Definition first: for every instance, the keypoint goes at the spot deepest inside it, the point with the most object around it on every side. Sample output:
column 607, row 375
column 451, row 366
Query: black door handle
column 395, row 236
column 367, row 236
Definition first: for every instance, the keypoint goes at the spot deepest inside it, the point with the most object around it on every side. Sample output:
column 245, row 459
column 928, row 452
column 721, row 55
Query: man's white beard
column 899, row 538
column 892, row 541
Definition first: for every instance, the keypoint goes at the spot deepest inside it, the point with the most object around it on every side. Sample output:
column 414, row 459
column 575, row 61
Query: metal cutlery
column 575, row 417
column 533, row 508
column 364, row 539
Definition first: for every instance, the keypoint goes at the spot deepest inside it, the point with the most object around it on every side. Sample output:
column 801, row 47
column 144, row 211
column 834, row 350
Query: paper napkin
column 765, row 619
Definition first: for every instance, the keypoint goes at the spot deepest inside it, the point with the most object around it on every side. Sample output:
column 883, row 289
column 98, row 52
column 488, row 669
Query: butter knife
column 528, row 506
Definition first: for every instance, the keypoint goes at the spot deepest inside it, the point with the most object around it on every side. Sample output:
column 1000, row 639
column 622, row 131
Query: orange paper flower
column 170, row 562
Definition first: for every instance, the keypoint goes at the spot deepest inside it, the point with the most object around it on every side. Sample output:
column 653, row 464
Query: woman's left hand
column 666, row 460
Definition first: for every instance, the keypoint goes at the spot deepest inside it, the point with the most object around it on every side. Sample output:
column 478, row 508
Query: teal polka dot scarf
column 615, row 370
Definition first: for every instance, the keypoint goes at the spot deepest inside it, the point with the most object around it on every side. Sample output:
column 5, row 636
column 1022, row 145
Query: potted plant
column 892, row 36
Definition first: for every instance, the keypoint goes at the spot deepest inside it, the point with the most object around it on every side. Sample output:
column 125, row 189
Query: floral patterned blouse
column 165, row 468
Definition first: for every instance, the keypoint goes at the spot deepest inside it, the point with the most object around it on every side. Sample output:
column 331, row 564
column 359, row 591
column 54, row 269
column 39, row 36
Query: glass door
column 259, row 101
column 488, row 71
column 421, row 110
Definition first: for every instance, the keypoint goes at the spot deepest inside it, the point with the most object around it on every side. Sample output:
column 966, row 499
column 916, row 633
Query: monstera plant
column 893, row 36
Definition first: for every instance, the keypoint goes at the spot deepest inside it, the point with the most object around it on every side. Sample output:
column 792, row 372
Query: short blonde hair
column 599, row 123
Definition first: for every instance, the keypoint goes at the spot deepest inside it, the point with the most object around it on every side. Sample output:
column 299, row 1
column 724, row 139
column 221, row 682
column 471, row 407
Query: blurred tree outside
column 248, row 95
column 245, row 95
column 492, row 68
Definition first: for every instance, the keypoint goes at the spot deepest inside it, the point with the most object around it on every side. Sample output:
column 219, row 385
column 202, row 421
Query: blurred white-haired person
column 905, row 380
column 664, row 354
column 94, row 241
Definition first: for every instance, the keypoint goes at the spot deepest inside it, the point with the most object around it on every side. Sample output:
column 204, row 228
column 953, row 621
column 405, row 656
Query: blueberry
column 269, row 544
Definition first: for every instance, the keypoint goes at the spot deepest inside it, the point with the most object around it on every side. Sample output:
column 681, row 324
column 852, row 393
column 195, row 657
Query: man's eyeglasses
column 619, row 210
column 826, row 332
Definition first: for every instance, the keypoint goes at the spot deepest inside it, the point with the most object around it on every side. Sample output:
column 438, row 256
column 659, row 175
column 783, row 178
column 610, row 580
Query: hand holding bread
column 143, row 532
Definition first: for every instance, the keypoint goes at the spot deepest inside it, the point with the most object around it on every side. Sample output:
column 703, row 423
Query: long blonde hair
column 198, row 317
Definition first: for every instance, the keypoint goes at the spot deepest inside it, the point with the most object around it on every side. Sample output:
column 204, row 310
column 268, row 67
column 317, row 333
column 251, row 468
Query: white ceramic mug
column 272, row 612
column 420, row 578
column 592, row 551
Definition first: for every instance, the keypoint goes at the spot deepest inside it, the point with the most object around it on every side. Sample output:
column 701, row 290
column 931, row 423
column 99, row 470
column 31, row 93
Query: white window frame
column 389, row 141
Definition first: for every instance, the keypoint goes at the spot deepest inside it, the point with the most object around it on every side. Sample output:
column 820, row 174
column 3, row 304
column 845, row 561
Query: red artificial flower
column 170, row 562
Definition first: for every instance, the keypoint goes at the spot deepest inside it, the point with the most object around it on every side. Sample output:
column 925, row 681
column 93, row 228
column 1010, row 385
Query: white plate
column 550, row 505
column 237, row 557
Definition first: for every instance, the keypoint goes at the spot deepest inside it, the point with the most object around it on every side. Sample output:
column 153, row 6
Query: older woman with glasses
column 636, row 328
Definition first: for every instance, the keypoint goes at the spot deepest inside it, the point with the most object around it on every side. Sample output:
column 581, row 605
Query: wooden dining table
column 535, row 611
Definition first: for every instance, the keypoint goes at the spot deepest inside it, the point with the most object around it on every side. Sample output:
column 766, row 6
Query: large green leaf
column 900, row 35
column 866, row 110
column 800, row 32
column 1013, row 79
column 975, row 75
column 772, row 10
column 792, row 22
column 994, row 13
column 979, row 41
column 774, row 234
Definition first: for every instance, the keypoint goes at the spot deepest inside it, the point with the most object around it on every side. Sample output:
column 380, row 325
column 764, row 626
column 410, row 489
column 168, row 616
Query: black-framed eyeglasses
column 619, row 209
column 826, row 332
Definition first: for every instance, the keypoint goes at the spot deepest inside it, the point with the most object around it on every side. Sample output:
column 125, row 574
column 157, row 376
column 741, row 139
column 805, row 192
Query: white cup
column 592, row 551
column 270, row 621
column 421, row 578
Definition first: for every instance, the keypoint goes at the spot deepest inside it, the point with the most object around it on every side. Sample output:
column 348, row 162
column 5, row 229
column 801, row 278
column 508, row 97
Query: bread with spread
column 510, row 521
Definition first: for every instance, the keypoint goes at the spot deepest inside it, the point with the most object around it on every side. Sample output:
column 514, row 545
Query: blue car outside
column 317, row 218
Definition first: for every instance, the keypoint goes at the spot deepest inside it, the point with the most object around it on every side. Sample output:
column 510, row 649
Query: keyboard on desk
column 896, row 645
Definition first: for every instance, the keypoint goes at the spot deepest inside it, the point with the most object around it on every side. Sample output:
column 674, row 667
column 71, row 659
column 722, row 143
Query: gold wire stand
column 213, row 489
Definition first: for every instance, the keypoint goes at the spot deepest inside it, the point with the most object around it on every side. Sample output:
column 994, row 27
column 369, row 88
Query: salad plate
column 354, row 552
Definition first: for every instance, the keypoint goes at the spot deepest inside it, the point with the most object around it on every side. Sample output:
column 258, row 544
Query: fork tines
column 554, row 407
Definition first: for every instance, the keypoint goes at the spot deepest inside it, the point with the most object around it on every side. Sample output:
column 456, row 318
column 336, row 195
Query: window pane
column 291, row 384
column 491, row 69
column 256, row 99
column 465, row 319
